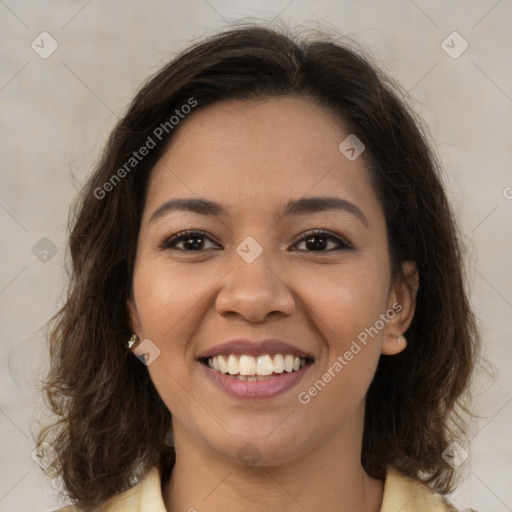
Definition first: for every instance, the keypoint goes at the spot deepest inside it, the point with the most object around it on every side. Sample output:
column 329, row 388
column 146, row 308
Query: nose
column 254, row 290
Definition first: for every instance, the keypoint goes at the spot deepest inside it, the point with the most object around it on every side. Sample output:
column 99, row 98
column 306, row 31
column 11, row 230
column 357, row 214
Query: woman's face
column 257, row 274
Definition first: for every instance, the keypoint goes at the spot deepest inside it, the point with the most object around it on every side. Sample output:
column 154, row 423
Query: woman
column 268, row 308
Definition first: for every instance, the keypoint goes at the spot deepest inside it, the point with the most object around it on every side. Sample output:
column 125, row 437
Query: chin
column 259, row 449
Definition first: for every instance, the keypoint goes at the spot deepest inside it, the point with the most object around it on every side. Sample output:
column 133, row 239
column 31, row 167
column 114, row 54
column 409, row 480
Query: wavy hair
column 110, row 424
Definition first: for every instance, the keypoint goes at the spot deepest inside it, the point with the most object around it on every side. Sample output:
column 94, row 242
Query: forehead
column 255, row 155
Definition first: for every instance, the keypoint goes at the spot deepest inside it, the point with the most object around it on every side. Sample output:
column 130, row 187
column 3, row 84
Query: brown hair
column 111, row 423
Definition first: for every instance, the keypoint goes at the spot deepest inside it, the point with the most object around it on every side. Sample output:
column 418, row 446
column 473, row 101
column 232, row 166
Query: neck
column 328, row 477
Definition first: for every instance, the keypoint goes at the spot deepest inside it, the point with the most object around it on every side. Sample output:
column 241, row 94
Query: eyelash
column 170, row 243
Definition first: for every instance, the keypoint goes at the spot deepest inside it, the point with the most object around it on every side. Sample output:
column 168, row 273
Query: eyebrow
column 301, row 206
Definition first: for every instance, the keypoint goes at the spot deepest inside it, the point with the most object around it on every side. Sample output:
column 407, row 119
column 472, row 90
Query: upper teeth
column 261, row 365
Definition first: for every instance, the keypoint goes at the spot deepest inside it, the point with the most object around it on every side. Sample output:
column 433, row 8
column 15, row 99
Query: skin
column 252, row 157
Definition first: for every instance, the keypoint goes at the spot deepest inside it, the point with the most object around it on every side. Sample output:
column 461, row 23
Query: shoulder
column 407, row 494
column 146, row 496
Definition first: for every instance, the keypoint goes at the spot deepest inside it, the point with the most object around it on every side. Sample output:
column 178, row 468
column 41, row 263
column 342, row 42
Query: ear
column 133, row 317
column 402, row 300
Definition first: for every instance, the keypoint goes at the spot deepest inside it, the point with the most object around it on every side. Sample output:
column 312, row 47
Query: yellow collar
column 400, row 493
column 410, row 495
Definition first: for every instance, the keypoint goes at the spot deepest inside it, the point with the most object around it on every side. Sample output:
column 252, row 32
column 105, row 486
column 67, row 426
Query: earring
column 132, row 341
column 400, row 339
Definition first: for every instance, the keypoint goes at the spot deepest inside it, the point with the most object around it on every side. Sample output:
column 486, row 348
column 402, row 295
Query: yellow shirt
column 401, row 494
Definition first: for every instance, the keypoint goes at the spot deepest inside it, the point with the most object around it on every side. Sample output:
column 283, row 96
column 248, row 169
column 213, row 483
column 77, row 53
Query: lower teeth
column 254, row 377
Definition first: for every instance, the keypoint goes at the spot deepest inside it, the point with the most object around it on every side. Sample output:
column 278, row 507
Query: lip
column 254, row 348
column 254, row 390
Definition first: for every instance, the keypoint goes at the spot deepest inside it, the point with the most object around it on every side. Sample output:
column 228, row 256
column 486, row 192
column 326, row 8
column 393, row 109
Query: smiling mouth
column 250, row 368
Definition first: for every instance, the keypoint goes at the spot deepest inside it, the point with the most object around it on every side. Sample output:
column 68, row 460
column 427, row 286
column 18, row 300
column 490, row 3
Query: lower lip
column 248, row 390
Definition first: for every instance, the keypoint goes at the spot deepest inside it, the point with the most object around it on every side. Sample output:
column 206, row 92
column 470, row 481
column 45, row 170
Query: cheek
column 169, row 301
column 344, row 306
column 172, row 300
column 346, row 300
column 168, row 297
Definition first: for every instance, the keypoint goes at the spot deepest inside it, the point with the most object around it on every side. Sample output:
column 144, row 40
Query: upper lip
column 254, row 348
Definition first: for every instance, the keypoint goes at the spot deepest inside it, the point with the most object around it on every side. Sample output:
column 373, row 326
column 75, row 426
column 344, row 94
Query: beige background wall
column 56, row 114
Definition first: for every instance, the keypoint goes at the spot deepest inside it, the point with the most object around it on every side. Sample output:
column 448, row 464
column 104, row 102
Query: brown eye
column 318, row 240
column 315, row 240
column 192, row 241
